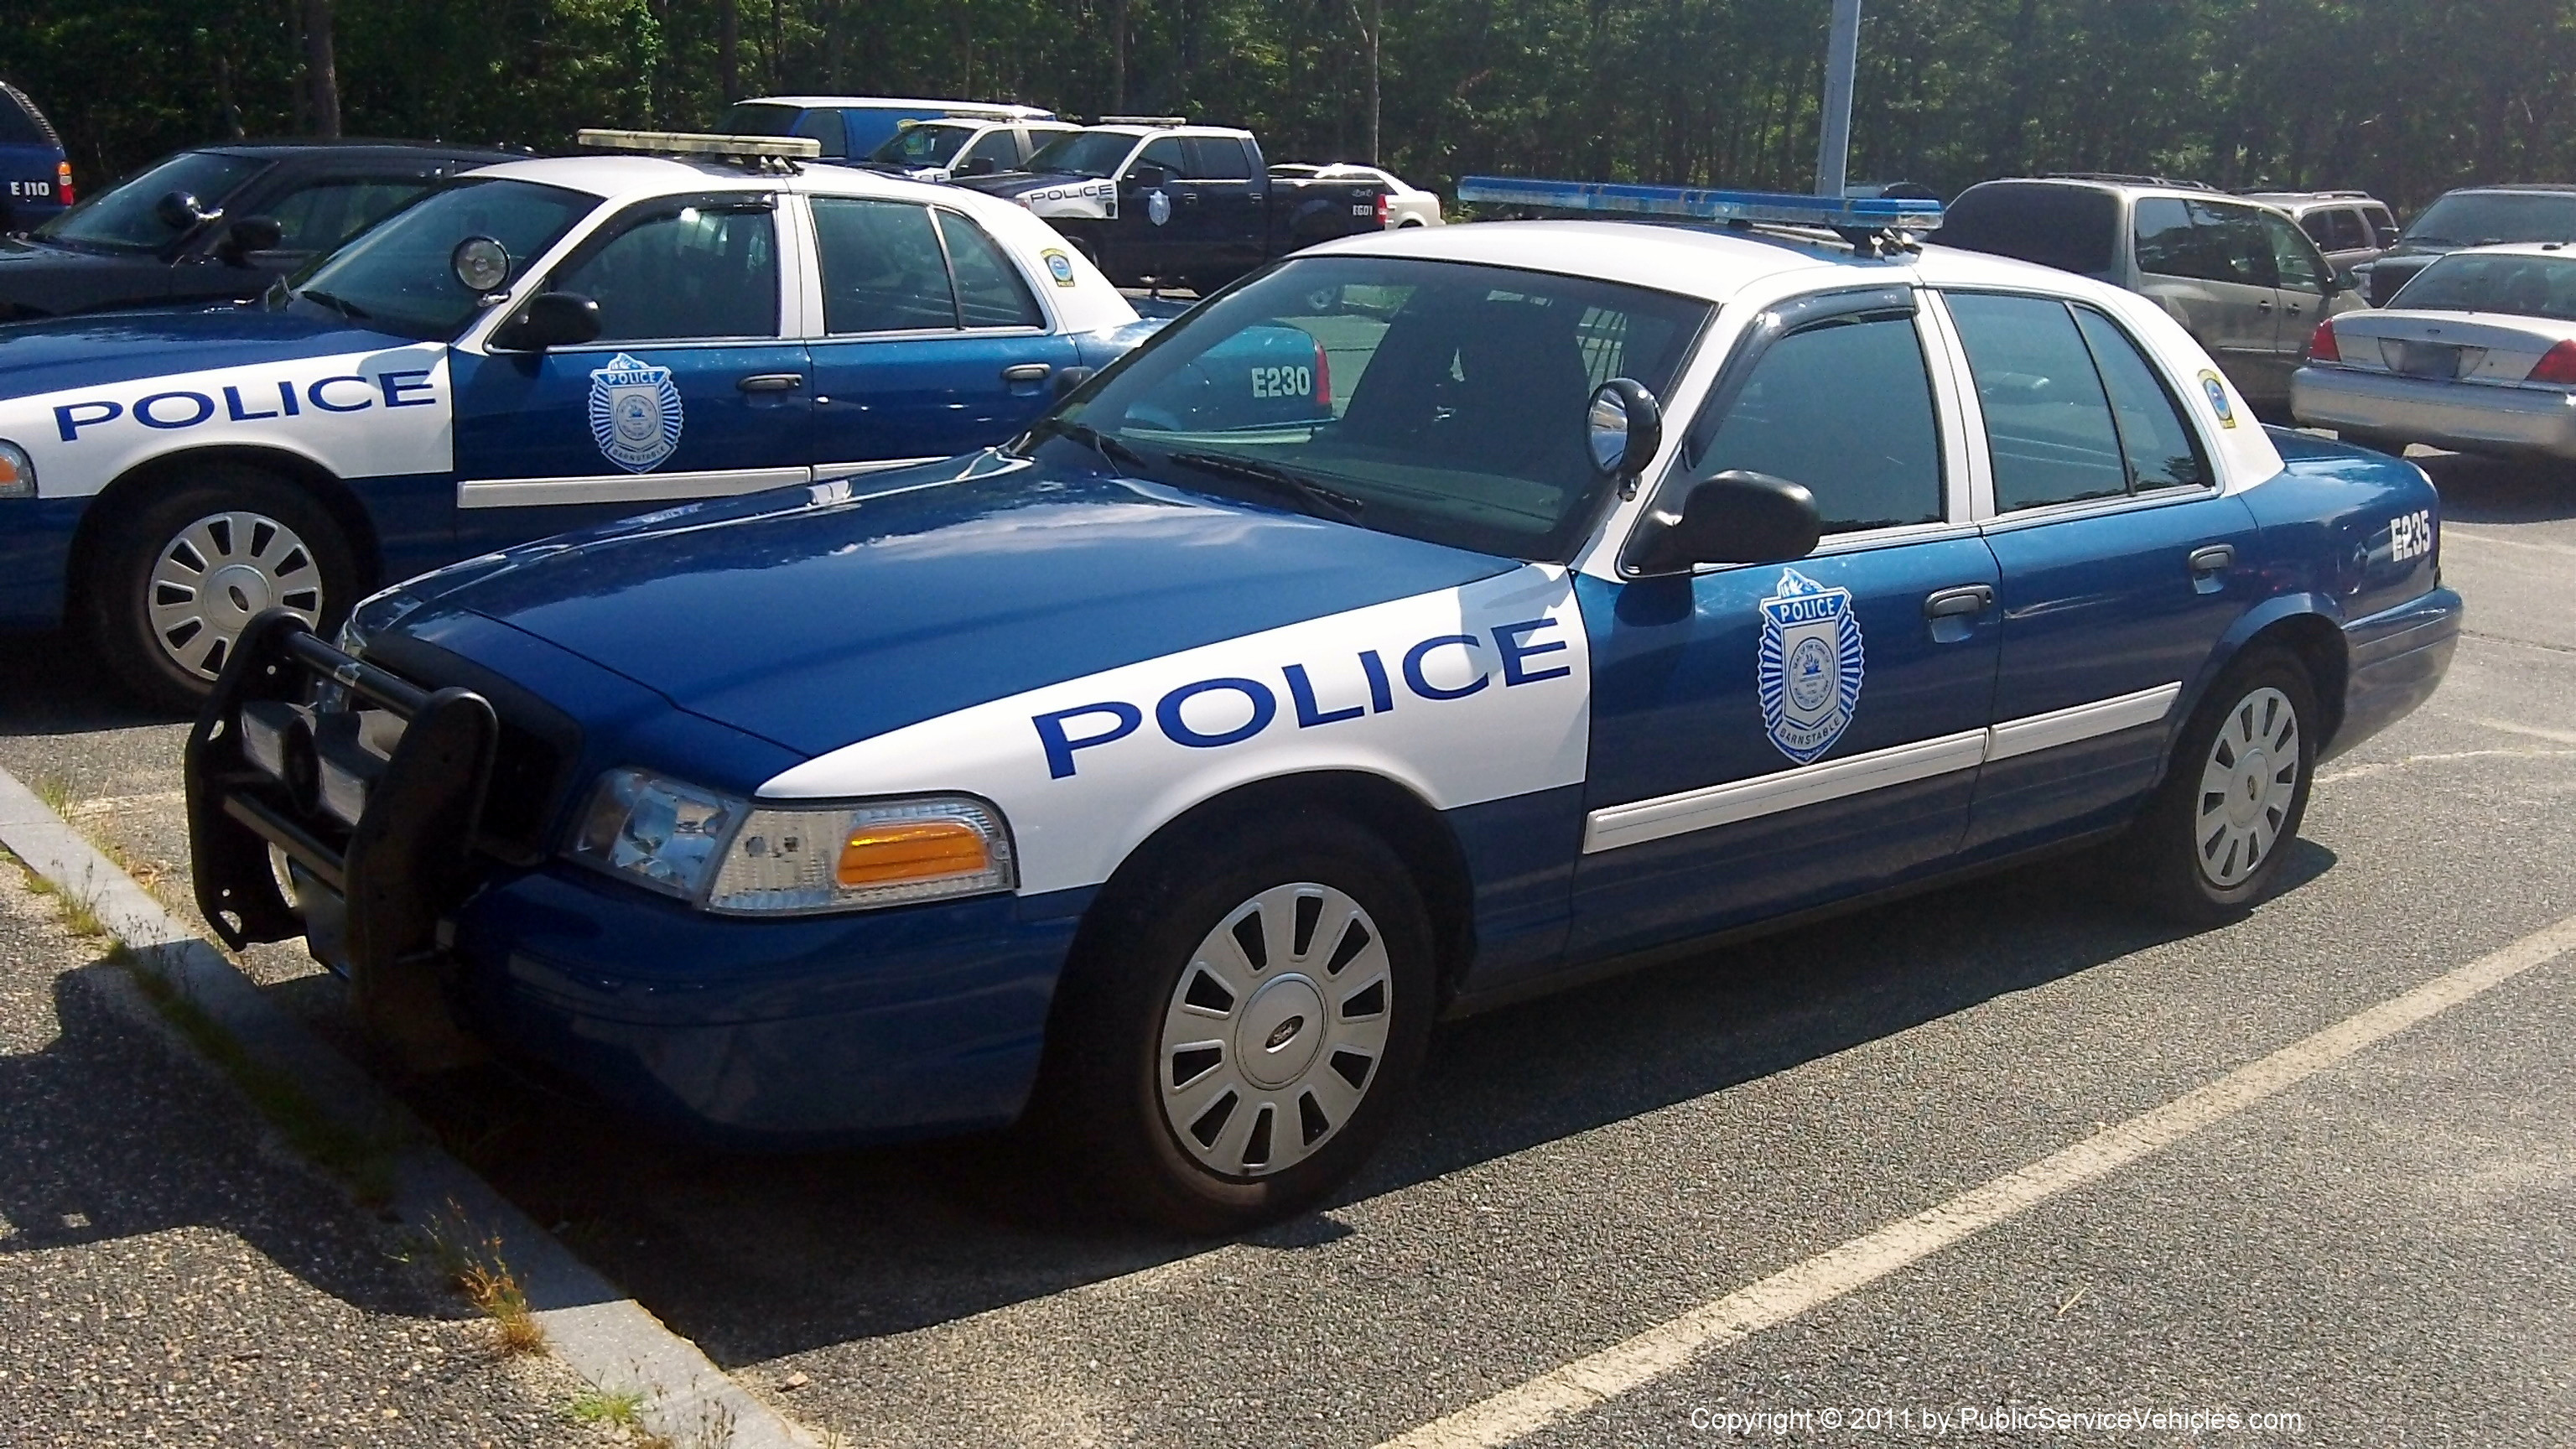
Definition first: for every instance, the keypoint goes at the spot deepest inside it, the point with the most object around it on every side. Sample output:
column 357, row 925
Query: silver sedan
column 2477, row 354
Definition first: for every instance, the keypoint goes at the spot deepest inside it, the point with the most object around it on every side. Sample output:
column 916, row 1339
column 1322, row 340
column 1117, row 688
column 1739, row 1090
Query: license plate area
column 2439, row 361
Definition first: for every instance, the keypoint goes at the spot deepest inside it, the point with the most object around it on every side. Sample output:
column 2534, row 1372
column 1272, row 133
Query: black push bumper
column 372, row 789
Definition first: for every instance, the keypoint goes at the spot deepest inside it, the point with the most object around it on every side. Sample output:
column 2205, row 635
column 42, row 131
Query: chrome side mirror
column 1622, row 428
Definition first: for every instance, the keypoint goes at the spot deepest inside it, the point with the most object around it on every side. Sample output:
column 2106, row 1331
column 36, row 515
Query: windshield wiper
column 344, row 307
column 1313, row 497
column 1112, row 450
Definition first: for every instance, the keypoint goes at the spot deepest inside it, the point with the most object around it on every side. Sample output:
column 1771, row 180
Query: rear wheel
column 180, row 578
column 1231, row 1036
column 2211, row 843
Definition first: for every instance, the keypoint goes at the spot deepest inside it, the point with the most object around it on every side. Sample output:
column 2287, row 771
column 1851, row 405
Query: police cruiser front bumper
column 460, row 933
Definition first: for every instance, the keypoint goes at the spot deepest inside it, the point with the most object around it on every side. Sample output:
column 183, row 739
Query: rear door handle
column 1026, row 372
column 772, row 382
column 2217, row 558
column 2263, row 306
column 1955, row 603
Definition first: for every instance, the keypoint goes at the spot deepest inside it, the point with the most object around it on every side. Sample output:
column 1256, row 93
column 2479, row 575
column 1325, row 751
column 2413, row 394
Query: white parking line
column 1599, row 1377
column 2513, row 727
column 2454, row 531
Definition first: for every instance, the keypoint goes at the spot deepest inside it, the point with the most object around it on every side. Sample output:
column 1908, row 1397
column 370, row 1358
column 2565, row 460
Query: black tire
column 320, row 580
column 2210, row 876
column 1099, row 1103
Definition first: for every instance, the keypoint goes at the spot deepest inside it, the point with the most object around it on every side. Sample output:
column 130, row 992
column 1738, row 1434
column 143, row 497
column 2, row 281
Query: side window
column 1844, row 407
column 990, row 292
column 882, row 267
column 2345, row 230
column 2383, row 227
column 2048, row 424
column 684, row 271
column 2319, row 225
column 2294, row 257
column 999, row 147
column 2167, row 245
column 2241, row 242
column 319, row 217
column 1165, row 151
column 2157, row 444
column 1216, row 158
column 825, row 126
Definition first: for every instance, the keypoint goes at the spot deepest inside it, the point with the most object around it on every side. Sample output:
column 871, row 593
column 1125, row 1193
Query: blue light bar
column 1876, row 213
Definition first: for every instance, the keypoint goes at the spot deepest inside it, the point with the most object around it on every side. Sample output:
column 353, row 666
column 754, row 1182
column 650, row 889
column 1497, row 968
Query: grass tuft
column 476, row 1269
column 55, row 791
column 616, row 1409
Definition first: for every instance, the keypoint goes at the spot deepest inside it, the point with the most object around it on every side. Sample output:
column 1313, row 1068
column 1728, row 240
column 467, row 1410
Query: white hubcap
column 1275, row 1030
column 216, row 575
column 2246, row 787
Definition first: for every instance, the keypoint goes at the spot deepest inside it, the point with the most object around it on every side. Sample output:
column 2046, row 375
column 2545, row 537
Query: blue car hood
column 73, row 352
column 814, row 621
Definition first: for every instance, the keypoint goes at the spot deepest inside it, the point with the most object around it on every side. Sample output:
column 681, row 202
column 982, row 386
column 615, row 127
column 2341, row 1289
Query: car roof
column 2560, row 250
column 625, row 177
column 889, row 103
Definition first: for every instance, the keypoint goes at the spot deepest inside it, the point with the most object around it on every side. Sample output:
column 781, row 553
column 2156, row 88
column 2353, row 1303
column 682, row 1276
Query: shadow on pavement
column 106, row 1136
column 2496, row 490
column 760, row 1257
column 55, row 687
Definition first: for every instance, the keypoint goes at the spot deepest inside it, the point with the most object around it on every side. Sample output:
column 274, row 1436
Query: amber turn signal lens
column 890, row 851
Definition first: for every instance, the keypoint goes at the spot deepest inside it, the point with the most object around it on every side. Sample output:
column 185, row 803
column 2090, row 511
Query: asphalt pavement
column 2378, row 1254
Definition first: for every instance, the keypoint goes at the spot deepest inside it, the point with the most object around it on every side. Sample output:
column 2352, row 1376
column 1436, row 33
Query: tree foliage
column 2405, row 97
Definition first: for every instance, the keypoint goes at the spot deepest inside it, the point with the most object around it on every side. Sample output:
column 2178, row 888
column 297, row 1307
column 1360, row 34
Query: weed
column 619, row 1409
column 56, row 792
column 363, row 1160
column 477, row 1270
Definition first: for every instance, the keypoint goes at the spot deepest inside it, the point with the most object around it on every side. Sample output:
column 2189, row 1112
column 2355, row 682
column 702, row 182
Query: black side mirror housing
column 1148, row 178
column 1735, row 517
column 178, row 210
column 1066, row 379
column 551, row 319
column 248, row 235
column 979, row 166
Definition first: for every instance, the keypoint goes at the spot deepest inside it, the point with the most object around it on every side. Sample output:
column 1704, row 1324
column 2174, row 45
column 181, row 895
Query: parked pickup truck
column 1192, row 206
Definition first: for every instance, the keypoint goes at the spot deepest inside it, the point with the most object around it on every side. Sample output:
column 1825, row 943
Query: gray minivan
column 2240, row 276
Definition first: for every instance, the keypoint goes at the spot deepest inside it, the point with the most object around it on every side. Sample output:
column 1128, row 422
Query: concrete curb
column 603, row 1335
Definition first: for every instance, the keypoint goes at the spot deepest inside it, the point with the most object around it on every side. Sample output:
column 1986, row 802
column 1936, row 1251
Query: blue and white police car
column 541, row 344
column 1165, row 773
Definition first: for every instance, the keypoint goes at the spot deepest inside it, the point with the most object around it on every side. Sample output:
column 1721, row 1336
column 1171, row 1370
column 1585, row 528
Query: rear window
column 2072, row 228
column 20, row 127
column 2495, row 282
column 2480, row 218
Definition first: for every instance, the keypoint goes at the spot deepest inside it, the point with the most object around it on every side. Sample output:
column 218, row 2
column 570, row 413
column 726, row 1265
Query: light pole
column 1842, row 57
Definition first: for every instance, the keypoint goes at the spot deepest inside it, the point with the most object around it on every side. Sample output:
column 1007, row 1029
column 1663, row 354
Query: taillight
column 2557, row 365
column 1381, row 211
column 63, row 182
column 1323, row 377
column 2321, row 343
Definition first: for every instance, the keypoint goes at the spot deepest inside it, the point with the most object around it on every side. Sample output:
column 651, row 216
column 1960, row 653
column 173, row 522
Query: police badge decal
column 634, row 413
column 1809, row 666
column 1158, row 207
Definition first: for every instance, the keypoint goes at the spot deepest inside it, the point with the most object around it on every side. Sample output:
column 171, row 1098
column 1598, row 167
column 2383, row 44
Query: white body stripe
column 360, row 415
column 1710, row 806
column 1075, row 812
column 623, row 487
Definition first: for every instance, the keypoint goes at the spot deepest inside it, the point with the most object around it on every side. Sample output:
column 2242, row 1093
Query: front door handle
column 1959, row 602
column 1026, row 372
column 2217, row 558
column 772, row 382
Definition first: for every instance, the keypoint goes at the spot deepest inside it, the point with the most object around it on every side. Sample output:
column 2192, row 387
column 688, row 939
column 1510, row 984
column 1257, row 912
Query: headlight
column 737, row 859
column 17, row 472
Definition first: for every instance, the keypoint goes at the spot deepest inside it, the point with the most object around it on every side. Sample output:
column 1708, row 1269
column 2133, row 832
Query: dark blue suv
column 35, row 175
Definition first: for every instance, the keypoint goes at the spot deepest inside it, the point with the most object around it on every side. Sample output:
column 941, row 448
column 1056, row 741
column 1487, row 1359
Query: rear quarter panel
column 2346, row 525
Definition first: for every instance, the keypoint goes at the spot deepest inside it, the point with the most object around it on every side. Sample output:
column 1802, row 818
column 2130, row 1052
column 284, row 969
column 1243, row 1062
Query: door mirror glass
column 1622, row 428
column 248, row 235
column 552, row 319
column 1148, row 178
column 178, row 210
column 1734, row 517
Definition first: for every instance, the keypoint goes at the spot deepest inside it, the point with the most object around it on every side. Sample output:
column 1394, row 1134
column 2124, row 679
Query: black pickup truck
column 1190, row 206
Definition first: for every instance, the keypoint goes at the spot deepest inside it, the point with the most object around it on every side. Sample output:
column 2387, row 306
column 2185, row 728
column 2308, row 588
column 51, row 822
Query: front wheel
column 2211, row 843
column 1232, row 1034
column 184, row 574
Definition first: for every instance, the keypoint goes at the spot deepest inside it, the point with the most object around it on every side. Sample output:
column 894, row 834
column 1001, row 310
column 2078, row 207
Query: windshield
column 1437, row 400
column 398, row 278
column 759, row 118
column 2486, row 282
column 126, row 217
column 922, row 145
column 1083, row 153
column 2479, row 218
